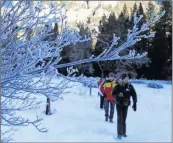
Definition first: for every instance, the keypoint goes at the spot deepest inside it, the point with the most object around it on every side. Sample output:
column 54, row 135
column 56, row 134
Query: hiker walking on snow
column 122, row 92
column 100, row 93
column 109, row 100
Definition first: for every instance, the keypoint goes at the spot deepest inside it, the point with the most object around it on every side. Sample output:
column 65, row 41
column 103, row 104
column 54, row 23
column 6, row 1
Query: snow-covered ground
column 79, row 119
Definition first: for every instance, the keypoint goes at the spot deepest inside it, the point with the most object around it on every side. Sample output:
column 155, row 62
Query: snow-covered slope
column 78, row 118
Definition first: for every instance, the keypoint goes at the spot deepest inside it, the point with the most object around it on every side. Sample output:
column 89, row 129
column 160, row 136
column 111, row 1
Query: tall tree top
column 150, row 9
column 125, row 12
column 134, row 8
column 104, row 18
column 140, row 9
column 112, row 18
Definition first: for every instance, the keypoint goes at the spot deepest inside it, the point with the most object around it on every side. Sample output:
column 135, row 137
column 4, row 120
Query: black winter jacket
column 122, row 94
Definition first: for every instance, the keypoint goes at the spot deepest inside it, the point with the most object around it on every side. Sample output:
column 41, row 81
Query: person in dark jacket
column 109, row 100
column 122, row 92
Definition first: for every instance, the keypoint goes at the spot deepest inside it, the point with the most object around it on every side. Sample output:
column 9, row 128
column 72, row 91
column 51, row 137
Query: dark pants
column 121, row 119
column 106, row 106
column 101, row 101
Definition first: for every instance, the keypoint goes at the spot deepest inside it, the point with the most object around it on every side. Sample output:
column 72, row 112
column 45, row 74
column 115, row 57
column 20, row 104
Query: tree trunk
column 48, row 106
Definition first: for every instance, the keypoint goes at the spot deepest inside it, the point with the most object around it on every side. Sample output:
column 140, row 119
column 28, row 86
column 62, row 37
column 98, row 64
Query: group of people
column 117, row 92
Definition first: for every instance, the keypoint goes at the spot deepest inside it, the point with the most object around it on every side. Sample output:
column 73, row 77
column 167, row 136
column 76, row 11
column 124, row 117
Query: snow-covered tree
column 27, row 58
column 29, row 62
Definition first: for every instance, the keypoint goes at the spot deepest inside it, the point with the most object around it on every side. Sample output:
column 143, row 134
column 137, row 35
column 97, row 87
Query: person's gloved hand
column 134, row 106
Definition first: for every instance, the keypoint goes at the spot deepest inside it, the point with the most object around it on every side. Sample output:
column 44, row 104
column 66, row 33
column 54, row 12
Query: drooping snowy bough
column 29, row 61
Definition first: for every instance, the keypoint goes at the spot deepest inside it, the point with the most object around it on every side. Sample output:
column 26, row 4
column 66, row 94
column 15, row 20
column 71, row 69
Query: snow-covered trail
column 79, row 119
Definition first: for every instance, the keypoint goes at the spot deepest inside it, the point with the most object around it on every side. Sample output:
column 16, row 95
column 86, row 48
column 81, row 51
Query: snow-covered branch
column 20, row 54
column 135, row 35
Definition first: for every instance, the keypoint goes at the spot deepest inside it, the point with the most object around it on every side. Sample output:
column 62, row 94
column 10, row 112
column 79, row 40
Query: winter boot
column 110, row 120
column 106, row 119
column 124, row 135
column 119, row 137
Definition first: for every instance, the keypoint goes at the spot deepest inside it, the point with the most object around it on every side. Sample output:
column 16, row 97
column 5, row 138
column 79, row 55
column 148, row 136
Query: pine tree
column 141, row 12
column 167, row 24
column 112, row 24
column 118, row 26
column 125, row 12
column 123, row 24
column 135, row 8
column 150, row 10
column 142, row 71
column 142, row 45
column 133, row 11
column 107, row 27
column 102, row 38
column 161, row 51
column 132, row 16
